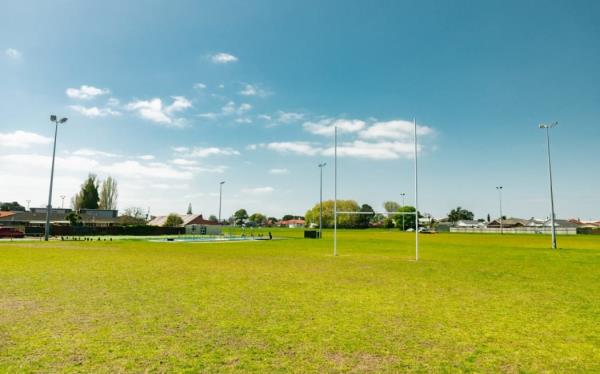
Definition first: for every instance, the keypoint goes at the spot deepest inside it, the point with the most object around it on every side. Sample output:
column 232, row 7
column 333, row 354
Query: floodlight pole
column 56, row 121
column 552, row 215
column 335, row 190
column 321, row 200
column 220, row 198
column 499, row 188
column 403, row 204
column 416, row 195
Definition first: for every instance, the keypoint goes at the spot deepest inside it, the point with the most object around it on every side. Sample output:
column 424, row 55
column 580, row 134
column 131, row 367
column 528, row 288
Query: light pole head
column 550, row 126
column 63, row 120
column 499, row 187
column 222, row 182
column 323, row 164
column 53, row 118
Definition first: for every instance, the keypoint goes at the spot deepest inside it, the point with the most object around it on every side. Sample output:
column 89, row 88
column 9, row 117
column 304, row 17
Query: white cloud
column 243, row 120
column 264, row 117
column 86, row 92
column 279, row 171
column 199, row 86
column 326, row 126
column 202, row 152
column 375, row 151
column 146, row 157
column 223, row 58
column 155, row 111
column 184, row 162
column 253, row 90
column 393, row 130
column 135, row 169
column 289, row 117
column 300, row 148
column 13, row 53
column 113, row 102
column 87, row 152
column 94, row 111
column 22, row 139
column 258, row 190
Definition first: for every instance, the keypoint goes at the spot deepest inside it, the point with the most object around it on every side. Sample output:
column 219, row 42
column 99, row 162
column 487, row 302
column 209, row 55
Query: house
column 292, row 223
column 468, row 223
column 36, row 217
column 188, row 219
column 508, row 223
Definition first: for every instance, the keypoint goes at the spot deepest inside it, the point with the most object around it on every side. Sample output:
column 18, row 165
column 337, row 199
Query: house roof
column 292, row 222
column 32, row 217
column 187, row 219
column 6, row 214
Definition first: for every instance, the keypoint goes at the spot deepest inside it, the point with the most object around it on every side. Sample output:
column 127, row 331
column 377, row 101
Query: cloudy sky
column 171, row 97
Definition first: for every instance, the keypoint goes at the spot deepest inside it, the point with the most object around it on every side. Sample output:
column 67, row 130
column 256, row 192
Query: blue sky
column 172, row 97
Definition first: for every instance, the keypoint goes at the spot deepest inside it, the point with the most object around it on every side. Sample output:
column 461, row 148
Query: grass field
column 480, row 303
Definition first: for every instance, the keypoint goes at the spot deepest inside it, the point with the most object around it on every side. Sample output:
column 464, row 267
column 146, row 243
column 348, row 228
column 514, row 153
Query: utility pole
column 56, row 121
column 499, row 188
column 321, row 166
column 552, row 215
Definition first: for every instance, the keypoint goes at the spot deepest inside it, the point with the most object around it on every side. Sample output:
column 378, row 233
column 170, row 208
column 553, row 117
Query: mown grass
column 481, row 303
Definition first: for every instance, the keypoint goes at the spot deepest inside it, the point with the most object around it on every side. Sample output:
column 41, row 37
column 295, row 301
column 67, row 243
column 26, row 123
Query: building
column 508, row 223
column 36, row 217
column 468, row 223
column 188, row 219
column 292, row 223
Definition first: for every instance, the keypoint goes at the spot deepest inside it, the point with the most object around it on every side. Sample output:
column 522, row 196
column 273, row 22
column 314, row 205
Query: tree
column 288, row 217
column 391, row 206
column 240, row 217
column 88, row 197
column 189, row 211
column 408, row 219
column 213, row 218
column 109, row 194
column 132, row 216
column 258, row 218
column 74, row 218
column 365, row 219
column 460, row 214
column 488, row 217
column 14, row 206
column 173, row 220
column 344, row 220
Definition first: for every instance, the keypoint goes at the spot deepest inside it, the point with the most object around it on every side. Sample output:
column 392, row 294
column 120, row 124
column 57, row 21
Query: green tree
column 132, row 216
column 391, row 206
column 240, row 217
column 74, row 218
column 88, row 197
column 409, row 219
column 213, row 218
column 14, row 206
column 173, row 220
column 258, row 218
column 344, row 220
column 460, row 214
column 365, row 219
column 189, row 211
column 109, row 194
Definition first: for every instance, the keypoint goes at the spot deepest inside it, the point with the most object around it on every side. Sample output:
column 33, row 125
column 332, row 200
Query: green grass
column 481, row 303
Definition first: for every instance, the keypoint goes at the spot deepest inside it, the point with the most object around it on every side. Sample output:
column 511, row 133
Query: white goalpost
column 416, row 213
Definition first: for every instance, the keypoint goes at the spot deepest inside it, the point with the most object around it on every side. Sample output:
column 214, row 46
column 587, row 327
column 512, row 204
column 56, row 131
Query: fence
column 516, row 230
column 101, row 231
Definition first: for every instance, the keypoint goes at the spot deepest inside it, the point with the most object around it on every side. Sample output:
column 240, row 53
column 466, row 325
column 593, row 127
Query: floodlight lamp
column 63, row 120
column 53, row 118
column 222, row 182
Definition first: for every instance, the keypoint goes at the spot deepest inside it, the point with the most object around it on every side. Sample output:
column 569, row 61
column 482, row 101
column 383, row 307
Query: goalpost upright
column 416, row 212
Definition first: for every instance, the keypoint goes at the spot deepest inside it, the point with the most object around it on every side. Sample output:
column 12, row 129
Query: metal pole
column 220, row 199
column 403, row 204
column 321, row 201
column 416, row 196
column 49, row 206
column 552, row 216
column 499, row 188
column 335, row 190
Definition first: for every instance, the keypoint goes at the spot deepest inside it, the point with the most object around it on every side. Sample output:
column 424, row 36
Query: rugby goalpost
column 416, row 213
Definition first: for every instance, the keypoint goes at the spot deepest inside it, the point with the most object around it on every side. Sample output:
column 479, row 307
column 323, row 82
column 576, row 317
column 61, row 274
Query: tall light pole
column 56, row 121
column 552, row 216
column 403, row 196
column 220, row 198
column 28, row 201
column 499, row 188
column 321, row 166
column 62, row 204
